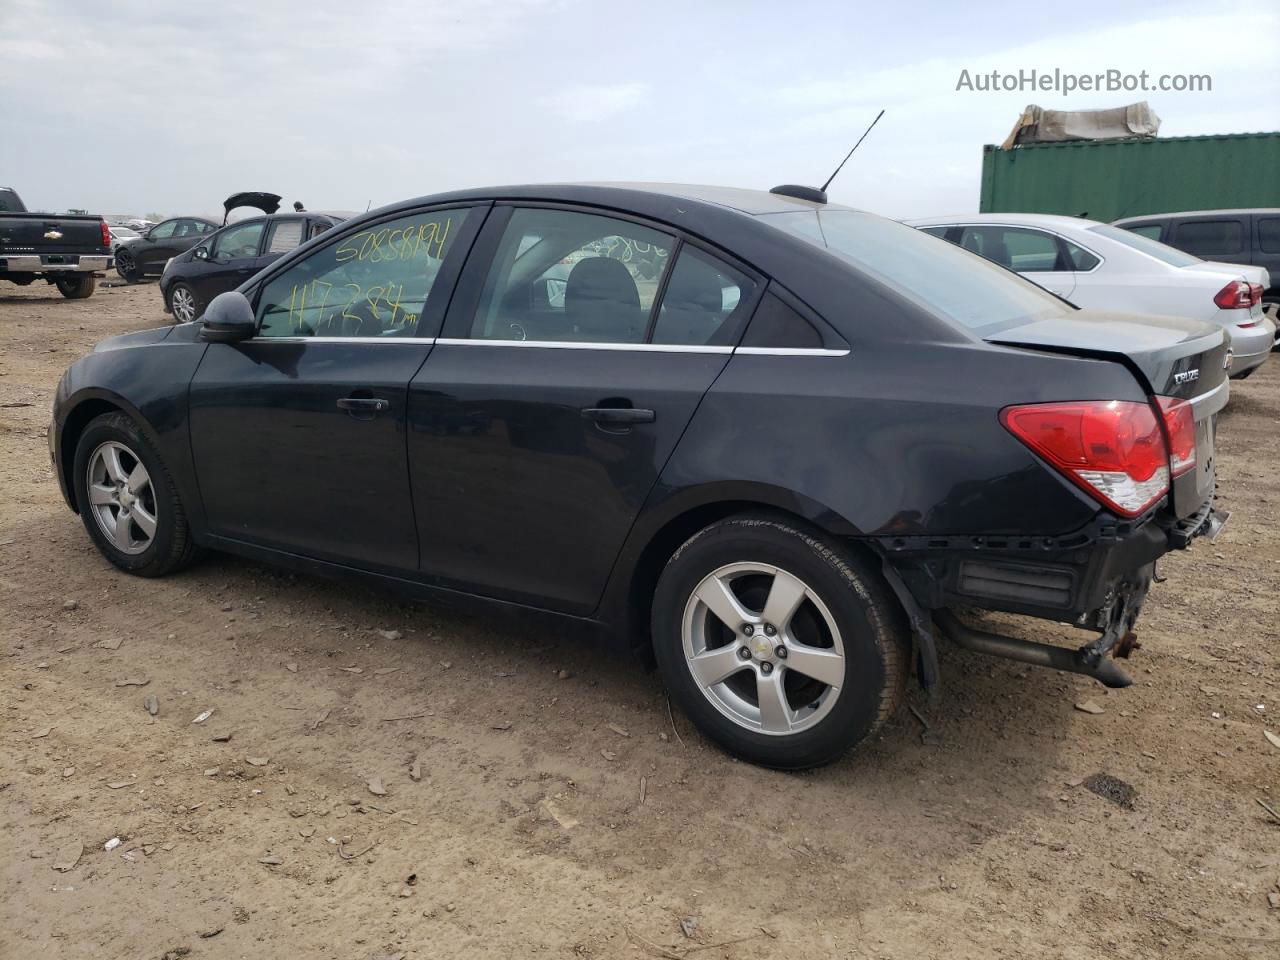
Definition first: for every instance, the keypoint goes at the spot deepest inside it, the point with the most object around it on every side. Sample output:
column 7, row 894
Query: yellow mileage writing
column 397, row 243
column 342, row 309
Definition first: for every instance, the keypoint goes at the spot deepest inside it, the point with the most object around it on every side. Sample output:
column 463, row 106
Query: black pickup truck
column 68, row 251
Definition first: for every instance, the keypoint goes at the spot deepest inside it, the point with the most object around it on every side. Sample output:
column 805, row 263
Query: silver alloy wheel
column 761, row 668
column 183, row 304
column 121, row 497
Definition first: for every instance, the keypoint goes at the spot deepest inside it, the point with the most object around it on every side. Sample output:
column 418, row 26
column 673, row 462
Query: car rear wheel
column 127, row 500
column 783, row 647
column 185, row 305
column 76, row 288
column 127, row 267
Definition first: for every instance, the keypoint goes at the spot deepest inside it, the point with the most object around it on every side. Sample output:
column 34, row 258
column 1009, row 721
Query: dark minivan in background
column 1228, row 236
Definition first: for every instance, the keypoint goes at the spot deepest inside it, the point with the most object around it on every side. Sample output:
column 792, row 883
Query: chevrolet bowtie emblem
column 53, row 234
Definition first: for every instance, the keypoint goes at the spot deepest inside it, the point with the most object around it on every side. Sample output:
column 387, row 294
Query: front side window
column 239, row 242
column 373, row 283
column 967, row 290
column 284, row 236
column 1151, row 231
column 564, row 276
column 163, row 231
column 1207, row 238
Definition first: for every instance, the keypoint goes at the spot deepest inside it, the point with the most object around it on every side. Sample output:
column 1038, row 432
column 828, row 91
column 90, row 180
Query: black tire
column 76, row 288
column 127, row 267
column 197, row 305
column 171, row 547
column 861, row 603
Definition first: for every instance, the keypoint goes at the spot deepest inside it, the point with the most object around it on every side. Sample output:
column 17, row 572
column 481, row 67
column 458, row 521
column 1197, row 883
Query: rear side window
column 284, row 236
column 704, row 302
column 1206, row 238
column 565, row 276
column 238, row 243
column 775, row 324
column 1081, row 259
column 1269, row 235
column 373, row 283
column 967, row 290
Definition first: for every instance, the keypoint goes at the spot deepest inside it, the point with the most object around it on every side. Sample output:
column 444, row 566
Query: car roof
column 1198, row 213
column 1047, row 220
column 636, row 195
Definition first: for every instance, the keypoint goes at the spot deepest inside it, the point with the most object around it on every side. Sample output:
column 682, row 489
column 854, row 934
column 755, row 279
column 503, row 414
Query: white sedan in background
column 1100, row 267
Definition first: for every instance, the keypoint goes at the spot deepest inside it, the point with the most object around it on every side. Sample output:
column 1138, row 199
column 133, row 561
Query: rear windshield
column 1152, row 248
column 9, row 202
column 961, row 286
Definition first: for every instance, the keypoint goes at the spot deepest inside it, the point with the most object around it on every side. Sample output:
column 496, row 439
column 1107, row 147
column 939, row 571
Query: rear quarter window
column 1210, row 238
column 1269, row 234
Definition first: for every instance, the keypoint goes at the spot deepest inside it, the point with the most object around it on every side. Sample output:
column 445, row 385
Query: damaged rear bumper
column 1096, row 579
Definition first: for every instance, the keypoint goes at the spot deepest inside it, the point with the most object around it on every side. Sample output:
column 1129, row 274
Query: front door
column 299, row 433
column 541, row 421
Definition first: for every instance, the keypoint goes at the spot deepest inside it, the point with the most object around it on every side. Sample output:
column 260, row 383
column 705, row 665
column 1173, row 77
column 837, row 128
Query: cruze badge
column 1187, row 376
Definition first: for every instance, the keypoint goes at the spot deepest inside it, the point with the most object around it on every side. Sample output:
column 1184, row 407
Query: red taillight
column 1114, row 450
column 1180, row 425
column 1238, row 295
column 106, row 234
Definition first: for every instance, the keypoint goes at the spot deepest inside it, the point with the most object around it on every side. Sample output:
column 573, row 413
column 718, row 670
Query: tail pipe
column 1102, row 669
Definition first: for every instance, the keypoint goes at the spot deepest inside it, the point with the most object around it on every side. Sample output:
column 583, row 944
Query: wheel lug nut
column 744, row 653
column 766, row 668
column 769, row 630
column 780, row 652
column 748, row 630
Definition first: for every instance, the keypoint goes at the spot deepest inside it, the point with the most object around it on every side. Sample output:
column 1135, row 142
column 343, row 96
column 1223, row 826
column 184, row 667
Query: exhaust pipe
column 1103, row 669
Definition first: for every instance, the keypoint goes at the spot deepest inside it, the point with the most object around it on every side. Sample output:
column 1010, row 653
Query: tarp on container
column 1037, row 125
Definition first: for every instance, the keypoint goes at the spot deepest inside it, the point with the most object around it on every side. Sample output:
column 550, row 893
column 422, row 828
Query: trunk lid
column 34, row 233
column 1233, row 271
column 1170, row 357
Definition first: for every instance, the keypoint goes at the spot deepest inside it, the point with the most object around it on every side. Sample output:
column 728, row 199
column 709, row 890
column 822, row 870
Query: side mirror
column 228, row 319
column 202, row 253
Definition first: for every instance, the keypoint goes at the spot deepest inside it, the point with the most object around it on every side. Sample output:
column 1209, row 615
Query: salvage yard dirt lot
column 405, row 780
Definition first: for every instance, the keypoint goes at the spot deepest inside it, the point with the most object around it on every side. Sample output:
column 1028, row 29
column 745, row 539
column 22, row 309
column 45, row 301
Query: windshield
column 961, row 286
column 1152, row 248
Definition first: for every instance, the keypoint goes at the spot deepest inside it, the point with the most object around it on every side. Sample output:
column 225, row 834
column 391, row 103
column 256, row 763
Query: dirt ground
column 405, row 781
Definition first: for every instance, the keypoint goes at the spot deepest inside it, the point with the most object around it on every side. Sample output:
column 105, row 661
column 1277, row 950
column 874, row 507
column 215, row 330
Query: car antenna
column 819, row 194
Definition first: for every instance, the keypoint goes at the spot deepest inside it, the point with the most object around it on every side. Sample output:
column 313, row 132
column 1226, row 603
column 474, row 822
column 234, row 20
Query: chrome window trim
column 571, row 345
column 1035, row 229
column 422, row 340
column 584, row 345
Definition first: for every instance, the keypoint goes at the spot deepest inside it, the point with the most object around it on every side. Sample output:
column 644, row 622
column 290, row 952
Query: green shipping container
column 1110, row 179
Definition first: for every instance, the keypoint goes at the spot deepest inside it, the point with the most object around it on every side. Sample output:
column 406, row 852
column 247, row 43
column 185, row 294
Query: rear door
column 299, row 433
column 577, row 348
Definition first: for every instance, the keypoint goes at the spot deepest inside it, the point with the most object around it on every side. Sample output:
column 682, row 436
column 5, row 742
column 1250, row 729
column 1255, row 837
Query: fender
column 151, row 386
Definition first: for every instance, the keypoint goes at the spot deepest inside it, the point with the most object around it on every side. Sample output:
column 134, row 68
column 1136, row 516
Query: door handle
column 363, row 408
column 619, row 415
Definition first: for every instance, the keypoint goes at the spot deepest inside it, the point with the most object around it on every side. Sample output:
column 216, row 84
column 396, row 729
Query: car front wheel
column 127, row 500
column 782, row 646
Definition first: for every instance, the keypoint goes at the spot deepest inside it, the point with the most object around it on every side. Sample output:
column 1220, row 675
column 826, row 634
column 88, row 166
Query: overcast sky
column 144, row 106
